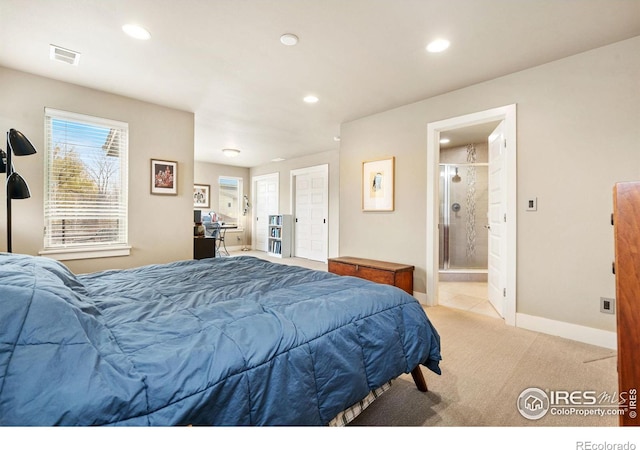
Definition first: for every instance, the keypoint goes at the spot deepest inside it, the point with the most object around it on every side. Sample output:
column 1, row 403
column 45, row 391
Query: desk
column 221, row 244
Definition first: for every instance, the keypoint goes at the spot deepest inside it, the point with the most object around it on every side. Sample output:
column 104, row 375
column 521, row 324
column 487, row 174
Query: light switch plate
column 532, row 204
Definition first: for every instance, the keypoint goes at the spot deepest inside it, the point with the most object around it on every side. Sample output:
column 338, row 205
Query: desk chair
column 216, row 231
column 211, row 229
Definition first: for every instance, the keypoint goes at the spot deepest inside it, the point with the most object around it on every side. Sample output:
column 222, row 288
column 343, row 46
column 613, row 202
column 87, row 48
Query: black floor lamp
column 18, row 144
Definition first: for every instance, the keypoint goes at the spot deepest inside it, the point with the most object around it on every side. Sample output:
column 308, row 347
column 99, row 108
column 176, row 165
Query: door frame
column 508, row 114
column 324, row 169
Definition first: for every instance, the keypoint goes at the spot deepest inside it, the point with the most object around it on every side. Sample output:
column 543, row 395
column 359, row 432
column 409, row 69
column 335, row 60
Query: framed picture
column 201, row 195
column 378, row 185
column 164, row 177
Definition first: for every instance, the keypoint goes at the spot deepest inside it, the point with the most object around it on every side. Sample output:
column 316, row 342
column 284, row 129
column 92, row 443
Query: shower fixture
column 456, row 178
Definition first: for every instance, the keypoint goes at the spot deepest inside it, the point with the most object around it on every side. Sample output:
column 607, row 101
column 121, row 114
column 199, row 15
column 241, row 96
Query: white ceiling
column 222, row 59
column 468, row 135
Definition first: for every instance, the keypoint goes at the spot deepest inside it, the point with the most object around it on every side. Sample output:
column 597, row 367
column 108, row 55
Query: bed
column 219, row 341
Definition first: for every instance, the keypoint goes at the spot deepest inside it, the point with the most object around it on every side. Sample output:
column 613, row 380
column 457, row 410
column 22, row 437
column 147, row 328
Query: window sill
column 65, row 254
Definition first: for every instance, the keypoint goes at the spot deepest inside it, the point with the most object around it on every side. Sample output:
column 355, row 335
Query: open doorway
column 463, row 226
column 501, row 210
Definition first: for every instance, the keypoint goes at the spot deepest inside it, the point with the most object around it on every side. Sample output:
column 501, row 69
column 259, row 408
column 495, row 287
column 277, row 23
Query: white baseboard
column 580, row 333
column 421, row 297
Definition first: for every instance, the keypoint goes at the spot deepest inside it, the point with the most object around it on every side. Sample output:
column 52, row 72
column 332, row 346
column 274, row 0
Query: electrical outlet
column 607, row 305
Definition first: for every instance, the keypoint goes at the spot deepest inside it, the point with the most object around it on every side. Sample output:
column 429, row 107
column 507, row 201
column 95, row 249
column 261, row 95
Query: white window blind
column 85, row 204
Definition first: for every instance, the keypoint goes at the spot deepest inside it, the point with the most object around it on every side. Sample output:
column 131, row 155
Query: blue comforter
column 224, row 341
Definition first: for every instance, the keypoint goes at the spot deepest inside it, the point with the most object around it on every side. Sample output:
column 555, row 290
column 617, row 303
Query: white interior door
column 311, row 208
column 497, row 219
column 265, row 203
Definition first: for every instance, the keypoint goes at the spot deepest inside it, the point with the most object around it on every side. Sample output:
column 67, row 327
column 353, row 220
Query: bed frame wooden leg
column 418, row 378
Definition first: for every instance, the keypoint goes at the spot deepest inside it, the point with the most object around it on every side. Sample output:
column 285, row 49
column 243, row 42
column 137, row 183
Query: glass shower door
column 463, row 216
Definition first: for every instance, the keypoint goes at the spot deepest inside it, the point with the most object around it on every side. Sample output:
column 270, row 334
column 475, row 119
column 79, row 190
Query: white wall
column 578, row 133
column 160, row 227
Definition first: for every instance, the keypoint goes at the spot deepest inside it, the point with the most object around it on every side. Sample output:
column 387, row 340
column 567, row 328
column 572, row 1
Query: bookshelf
column 280, row 235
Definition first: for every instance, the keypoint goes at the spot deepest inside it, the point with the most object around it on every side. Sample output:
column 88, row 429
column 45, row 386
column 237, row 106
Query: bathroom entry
column 503, row 218
column 464, row 220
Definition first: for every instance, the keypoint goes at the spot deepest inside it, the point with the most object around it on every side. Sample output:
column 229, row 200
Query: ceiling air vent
column 64, row 55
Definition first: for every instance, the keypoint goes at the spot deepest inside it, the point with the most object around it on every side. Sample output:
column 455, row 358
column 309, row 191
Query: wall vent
column 64, row 55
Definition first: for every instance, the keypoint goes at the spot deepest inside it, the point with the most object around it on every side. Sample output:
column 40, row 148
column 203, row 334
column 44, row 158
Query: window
column 229, row 193
column 85, row 205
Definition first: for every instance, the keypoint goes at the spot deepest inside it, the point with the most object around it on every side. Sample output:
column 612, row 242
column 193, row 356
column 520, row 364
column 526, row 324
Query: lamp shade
column 19, row 143
column 16, row 187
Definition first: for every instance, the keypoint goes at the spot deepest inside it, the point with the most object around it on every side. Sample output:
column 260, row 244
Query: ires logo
column 573, row 398
column 535, row 403
column 632, row 403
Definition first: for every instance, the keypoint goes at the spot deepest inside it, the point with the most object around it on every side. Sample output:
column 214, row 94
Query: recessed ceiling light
column 136, row 31
column 231, row 152
column 445, row 140
column 277, row 159
column 289, row 39
column 311, row 99
column 437, row 46
column 336, row 138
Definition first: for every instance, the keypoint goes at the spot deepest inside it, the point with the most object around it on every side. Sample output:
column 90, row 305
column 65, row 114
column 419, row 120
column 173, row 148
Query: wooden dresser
column 399, row 275
column 626, row 221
